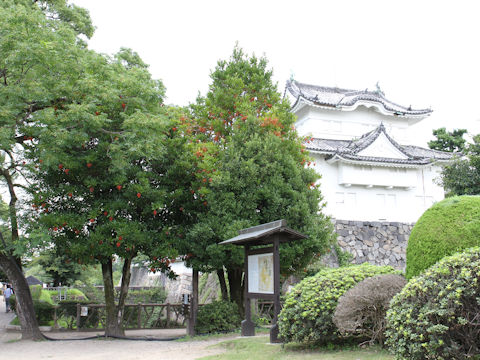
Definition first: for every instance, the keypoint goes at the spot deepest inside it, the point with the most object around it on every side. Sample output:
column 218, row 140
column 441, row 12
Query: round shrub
column 449, row 226
column 361, row 310
column 218, row 316
column 437, row 314
column 308, row 310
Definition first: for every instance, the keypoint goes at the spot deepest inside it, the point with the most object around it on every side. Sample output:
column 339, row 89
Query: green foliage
column 436, row 316
column 343, row 256
column 217, row 316
column 308, row 310
column 462, row 176
column 56, row 268
column 451, row 141
column 40, row 43
column 67, row 312
column 155, row 295
column 43, row 306
column 449, row 226
column 72, row 294
column 254, row 168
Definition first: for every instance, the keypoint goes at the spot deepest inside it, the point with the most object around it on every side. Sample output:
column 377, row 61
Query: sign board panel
column 84, row 311
column 260, row 273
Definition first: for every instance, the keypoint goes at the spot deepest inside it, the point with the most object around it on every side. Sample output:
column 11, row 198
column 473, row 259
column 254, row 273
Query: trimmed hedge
column 308, row 310
column 218, row 316
column 449, row 226
column 437, row 314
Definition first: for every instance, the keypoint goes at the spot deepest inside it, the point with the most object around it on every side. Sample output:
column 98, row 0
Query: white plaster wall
column 346, row 125
column 413, row 191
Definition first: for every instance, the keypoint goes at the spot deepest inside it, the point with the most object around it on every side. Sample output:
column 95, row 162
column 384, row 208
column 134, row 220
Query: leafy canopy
column 253, row 167
column 462, row 176
column 451, row 141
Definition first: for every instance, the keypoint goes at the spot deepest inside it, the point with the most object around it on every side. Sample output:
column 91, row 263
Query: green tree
column 56, row 268
column 39, row 44
column 253, row 169
column 451, row 141
column 462, row 175
column 111, row 172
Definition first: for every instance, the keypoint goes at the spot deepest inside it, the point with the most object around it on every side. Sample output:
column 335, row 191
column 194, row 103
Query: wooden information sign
column 262, row 267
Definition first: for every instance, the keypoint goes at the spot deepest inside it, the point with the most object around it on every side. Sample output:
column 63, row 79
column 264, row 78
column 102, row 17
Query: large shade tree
column 40, row 46
column 253, row 169
column 101, row 157
column 112, row 168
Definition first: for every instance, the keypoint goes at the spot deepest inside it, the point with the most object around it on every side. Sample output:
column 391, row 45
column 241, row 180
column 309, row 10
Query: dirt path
column 101, row 349
column 109, row 349
column 4, row 321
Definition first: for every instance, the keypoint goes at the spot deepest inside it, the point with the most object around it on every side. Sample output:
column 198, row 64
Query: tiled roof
column 343, row 99
column 350, row 149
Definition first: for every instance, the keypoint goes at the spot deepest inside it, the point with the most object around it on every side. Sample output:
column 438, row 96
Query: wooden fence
column 136, row 316
column 92, row 317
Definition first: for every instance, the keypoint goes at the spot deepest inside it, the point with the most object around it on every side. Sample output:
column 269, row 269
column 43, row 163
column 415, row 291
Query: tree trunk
column 13, row 269
column 235, row 283
column 223, row 284
column 126, row 275
column 25, row 310
column 114, row 321
column 111, row 328
column 192, row 316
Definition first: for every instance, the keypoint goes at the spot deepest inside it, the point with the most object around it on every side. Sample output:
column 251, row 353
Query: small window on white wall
column 340, row 198
column 380, row 200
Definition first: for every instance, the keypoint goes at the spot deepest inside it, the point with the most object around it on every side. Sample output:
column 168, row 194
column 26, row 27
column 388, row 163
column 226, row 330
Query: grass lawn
column 260, row 348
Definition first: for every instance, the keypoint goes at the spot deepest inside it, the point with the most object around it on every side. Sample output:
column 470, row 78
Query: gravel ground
column 99, row 349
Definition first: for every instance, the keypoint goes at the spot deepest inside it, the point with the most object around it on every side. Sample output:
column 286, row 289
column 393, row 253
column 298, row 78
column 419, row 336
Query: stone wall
column 379, row 243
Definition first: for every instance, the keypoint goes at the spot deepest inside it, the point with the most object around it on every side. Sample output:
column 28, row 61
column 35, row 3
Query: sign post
column 262, row 268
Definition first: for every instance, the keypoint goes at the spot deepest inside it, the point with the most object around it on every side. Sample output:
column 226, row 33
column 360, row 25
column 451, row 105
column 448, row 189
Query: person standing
column 7, row 293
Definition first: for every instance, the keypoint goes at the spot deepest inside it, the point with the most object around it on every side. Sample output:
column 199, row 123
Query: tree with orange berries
column 255, row 170
column 111, row 174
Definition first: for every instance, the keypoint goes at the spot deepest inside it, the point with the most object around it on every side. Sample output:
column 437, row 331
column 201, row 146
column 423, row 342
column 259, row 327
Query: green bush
column 308, row 310
column 36, row 291
column 67, row 313
column 449, row 226
column 44, row 310
column 217, row 316
column 437, row 314
column 71, row 294
column 155, row 295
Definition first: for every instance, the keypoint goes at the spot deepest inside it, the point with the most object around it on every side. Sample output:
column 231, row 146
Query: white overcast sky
column 423, row 53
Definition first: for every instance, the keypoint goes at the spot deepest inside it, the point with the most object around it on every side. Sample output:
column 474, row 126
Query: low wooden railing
column 136, row 316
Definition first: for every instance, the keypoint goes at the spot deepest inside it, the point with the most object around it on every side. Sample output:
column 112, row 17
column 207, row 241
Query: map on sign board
column 260, row 273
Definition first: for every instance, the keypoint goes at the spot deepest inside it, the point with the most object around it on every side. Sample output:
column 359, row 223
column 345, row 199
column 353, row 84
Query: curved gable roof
column 350, row 150
column 345, row 99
